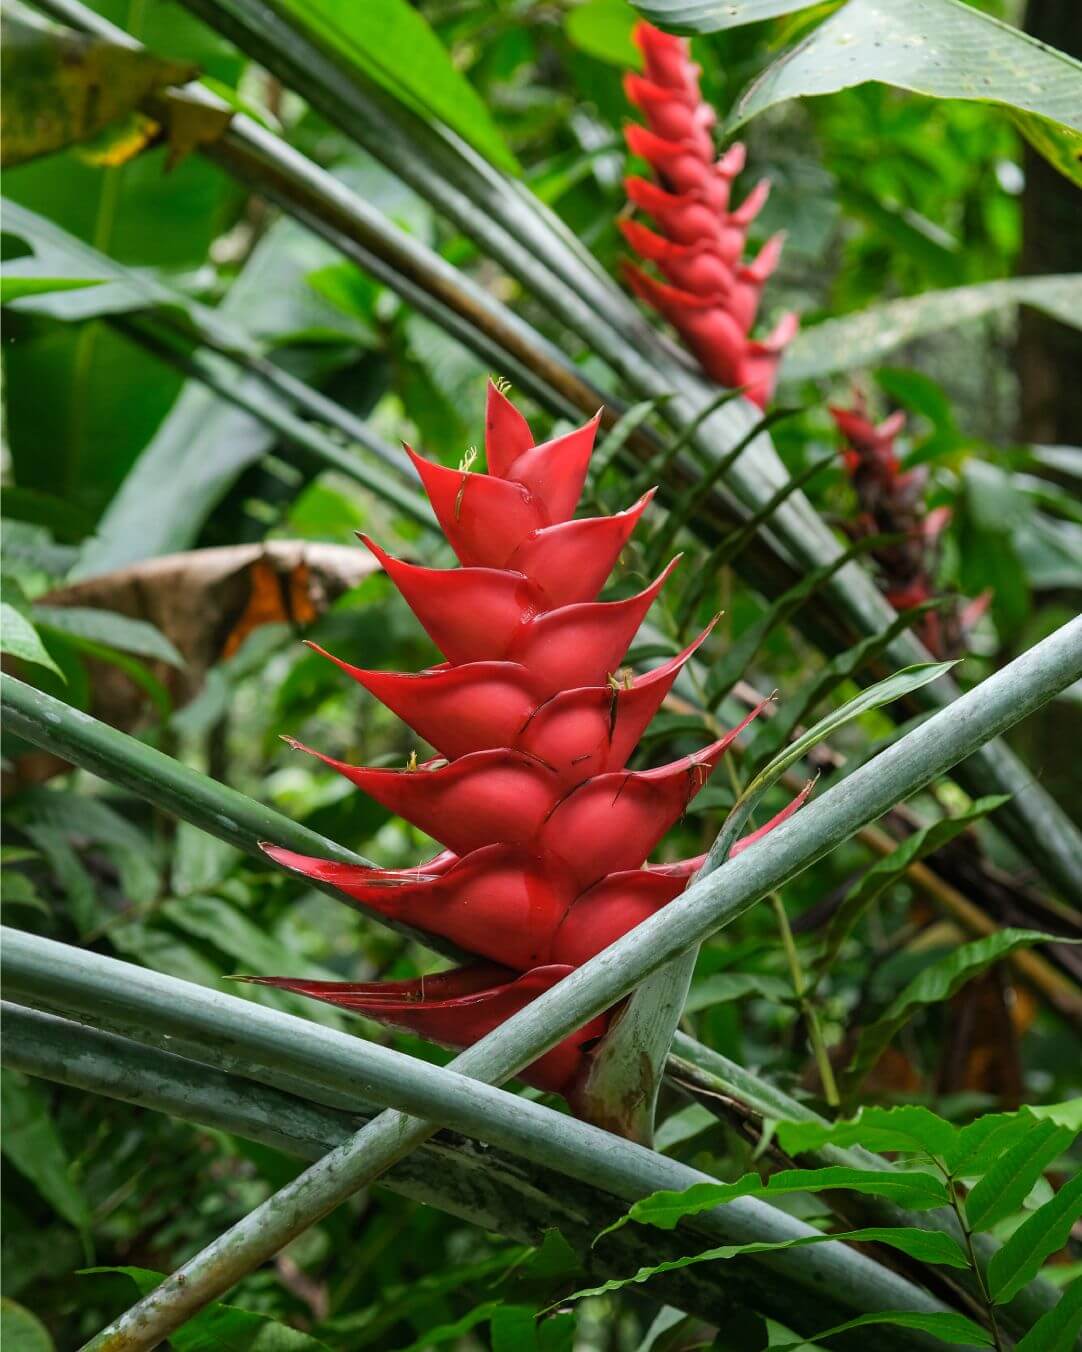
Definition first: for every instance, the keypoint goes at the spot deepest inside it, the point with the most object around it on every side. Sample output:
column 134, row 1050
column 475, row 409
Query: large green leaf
column 31, row 1143
column 61, row 87
column 1058, row 1330
column 918, row 1191
column 81, row 403
column 935, row 984
column 1043, row 1233
column 864, row 338
column 944, row 48
column 115, row 631
column 949, row 1328
column 1007, row 1183
column 204, row 444
column 709, row 16
column 21, row 640
column 21, row 1331
column 910, row 1127
column 390, row 41
column 927, row 1246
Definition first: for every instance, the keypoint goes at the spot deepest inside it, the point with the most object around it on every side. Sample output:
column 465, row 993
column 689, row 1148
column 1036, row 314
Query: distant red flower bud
column 708, row 296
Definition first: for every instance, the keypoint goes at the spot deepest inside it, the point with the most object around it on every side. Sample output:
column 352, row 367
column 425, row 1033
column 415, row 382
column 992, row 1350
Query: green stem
column 967, row 1233
column 709, row 904
column 807, row 1004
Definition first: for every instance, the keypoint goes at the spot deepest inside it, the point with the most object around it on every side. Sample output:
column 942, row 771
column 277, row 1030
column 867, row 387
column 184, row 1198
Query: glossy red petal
column 458, row 1008
column 590, row 731
column 507, row 433
column 485, row 797
column 470, row 614
column 608, row 910
column 669, row 117
column 484, row 518
column 555, row 471
column 582, row 644
column 667, row 59
column 571, row 562
column 457, row 709
column 500, row 902
column 684, row 217
column 623, row 815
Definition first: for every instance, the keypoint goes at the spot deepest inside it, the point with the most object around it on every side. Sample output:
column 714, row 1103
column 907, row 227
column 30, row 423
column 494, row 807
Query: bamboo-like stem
column 217, row 376
column 485, row 1186
column 904, row 768
column 807, row 1006
column 525, row 239
column 281, row 1049
column 169, row 784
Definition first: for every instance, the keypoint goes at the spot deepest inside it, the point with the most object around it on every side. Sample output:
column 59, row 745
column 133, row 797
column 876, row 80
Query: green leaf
column 114, row 630
column 1066, row 1114
column 13, row 288
column 911, row 1128
column 862, row 339
column 602, row 28
column 873, row 697
column 943, row 48
column 665, row 1210
column 774, row 734
column 513, row 1328
column 21, row 1331
column 927, row 1246
column 61, row 87
column 392, row 43
column 724, row 674
column 949, row 1328
column 888, row 870
column 452, row 1332
column 725, row 986
column 1007, row 1183
column 222, row 1328
column 1045, row 1232
column 1058, row 1330
column 710, row 16
column 31, row 1143
column 936, row 983
column 20, row 639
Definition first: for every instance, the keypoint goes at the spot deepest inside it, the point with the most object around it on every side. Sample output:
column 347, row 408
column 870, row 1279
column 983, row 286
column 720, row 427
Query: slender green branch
column 490, row 1188
column 168, row 784
column 806, row 1002
column 904, row 768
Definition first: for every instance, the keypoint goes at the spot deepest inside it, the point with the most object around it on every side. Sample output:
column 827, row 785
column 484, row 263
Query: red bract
column 709, row 295
column 546, row 831
column 891, row 502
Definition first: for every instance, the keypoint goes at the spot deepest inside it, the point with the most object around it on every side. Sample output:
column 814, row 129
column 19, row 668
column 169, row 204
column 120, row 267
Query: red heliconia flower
column 545, row 830
column 891, row 502
column 709, row 295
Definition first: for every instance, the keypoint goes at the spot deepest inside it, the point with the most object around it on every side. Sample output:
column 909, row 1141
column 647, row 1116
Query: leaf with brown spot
column 61, row 88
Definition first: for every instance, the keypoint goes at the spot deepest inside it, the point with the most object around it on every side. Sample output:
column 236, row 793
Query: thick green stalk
column 242, row 1038
column 709, row 904
column 169, row 784
column 249, row 394
column 485, row 1186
